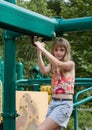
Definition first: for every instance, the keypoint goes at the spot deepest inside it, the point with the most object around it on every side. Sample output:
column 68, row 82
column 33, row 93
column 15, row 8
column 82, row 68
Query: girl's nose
column 58, row 52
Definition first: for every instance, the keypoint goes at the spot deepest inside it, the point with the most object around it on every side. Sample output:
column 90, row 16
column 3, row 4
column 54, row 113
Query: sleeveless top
column 61, row 84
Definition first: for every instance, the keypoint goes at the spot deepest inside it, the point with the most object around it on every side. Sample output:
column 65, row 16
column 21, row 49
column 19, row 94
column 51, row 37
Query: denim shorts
column 60, row 112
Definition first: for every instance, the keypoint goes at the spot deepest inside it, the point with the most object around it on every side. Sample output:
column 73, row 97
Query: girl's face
column 59, row 52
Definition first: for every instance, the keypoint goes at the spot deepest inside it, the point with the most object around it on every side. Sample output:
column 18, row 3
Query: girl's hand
column 43, row 44
column 40, row 45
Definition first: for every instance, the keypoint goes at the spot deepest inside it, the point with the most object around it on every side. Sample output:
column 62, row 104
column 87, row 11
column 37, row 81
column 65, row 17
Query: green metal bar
column 76, row 24
column 2, row 72
column 0, row 69
column 80, row 92
column 77, row 103
column 15, row 18
column 21, row 20
column 78, row 81
column 20, row 74
column 75, row 118
column 13, row 34
column 33, row 81
column 9, row 90
column 83, row 81
column 19, row 70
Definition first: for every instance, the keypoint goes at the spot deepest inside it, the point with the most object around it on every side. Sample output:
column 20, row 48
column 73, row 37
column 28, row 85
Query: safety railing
column 78, row 103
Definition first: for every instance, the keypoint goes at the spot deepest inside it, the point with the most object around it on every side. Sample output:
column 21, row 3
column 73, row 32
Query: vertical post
column 19, row 70
column 0, row 69
column 37, row 75
column 75, row 116
column 1, row 84
column 20, row 74
column 9, row 89
column 0, row 100
column 2, row 72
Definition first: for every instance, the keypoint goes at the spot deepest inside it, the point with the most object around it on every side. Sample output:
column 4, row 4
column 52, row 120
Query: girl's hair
column 61, row 42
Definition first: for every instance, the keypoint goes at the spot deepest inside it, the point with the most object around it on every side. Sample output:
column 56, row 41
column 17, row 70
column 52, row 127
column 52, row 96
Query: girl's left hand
column 40, row 45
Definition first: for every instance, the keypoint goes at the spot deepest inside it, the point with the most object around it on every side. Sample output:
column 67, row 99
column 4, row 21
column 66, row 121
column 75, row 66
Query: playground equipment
column 36, row 24
column 39, row 83
column 32, row 107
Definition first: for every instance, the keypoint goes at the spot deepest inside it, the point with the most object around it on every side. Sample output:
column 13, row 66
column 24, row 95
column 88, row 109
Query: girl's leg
column 48, row 124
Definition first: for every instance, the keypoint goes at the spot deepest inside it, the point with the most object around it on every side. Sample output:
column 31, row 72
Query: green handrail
column 86, row 82
column 78, row 103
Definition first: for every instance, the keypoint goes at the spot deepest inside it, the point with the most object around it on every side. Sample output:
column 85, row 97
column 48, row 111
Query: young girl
column 63, row 69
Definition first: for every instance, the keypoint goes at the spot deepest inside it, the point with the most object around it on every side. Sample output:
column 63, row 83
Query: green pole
column 2, row 72
column 9, row 89
column 75, row 24
column 0, row 69
column 19, row 70
column 20, row 74
column 77, row 103
column 75, row 117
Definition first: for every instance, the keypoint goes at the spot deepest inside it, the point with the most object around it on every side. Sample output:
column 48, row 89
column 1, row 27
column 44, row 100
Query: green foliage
column 55, row 7
column 81, row 52
column 26, row 53
column 35, row 5
column 77, row 8
column 84, row 120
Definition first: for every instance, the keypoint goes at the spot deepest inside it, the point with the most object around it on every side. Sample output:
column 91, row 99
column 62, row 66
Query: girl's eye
column 61, row 49
column 56, row 49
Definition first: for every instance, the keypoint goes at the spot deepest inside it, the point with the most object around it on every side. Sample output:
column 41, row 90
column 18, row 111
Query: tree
column 80, row 41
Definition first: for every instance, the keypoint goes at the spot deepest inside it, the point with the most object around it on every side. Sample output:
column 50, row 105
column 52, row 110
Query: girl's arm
column 44, row 69
column 69, row 65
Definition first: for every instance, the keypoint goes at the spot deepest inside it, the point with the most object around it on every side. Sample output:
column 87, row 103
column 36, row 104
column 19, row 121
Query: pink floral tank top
column 61, row 84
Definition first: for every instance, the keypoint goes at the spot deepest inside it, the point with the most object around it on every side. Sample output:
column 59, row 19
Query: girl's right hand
column 43, row 44
column 40, row 45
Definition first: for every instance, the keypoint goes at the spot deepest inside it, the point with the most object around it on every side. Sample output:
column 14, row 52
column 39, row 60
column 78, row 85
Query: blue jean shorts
column 60, row 112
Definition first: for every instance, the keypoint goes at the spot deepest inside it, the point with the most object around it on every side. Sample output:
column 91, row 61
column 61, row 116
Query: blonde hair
column 61, row 42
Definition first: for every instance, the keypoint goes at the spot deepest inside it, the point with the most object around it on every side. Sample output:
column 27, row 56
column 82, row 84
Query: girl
column 63, row 69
